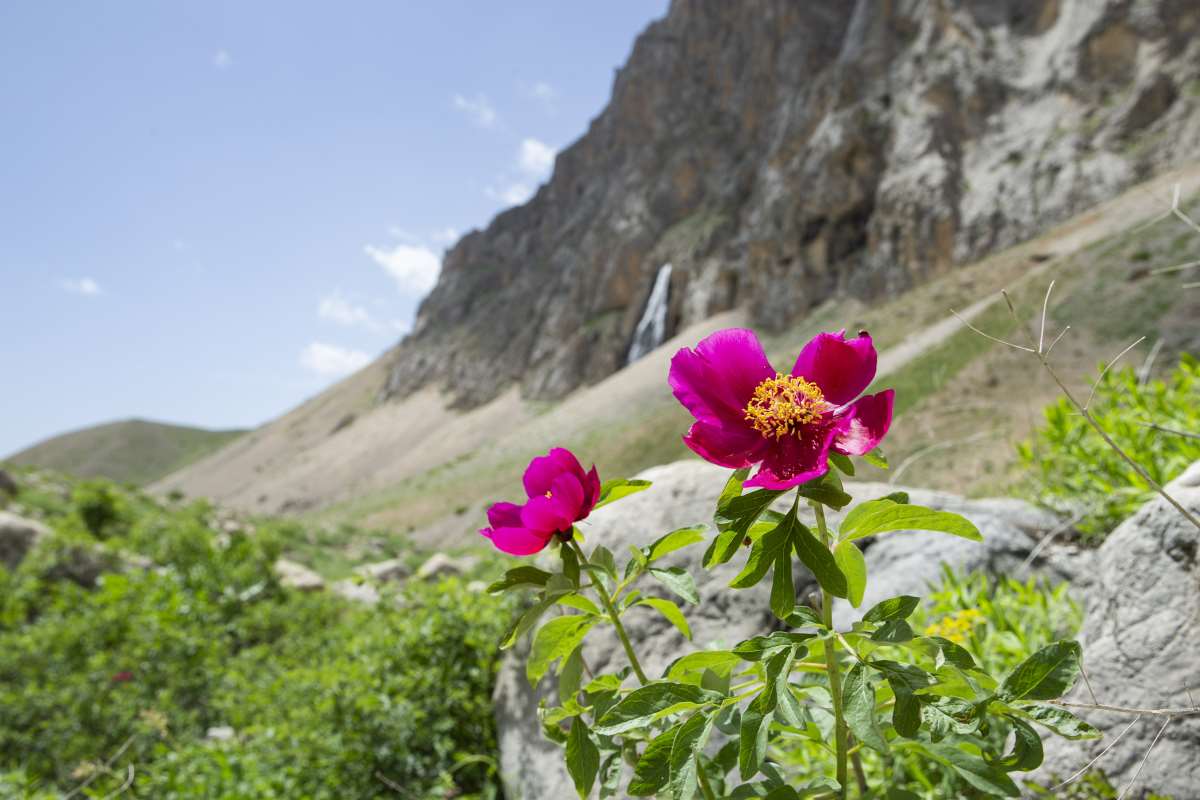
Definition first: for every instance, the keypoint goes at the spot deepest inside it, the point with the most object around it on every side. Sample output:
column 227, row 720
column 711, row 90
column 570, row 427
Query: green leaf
column 679, row 581
column 852, row 564
column 722, row 547
column 974, row 770
column 1059, row 720
column 570, row 563
column 819, row 560
column 876, row 458
column 653, row 769
column 570, row 677
column 556, row 639
column 1047, row 674
column 520, row 576
column 894, row 631
column 720, row 662
column 675, row 540
column 758, row 648
column 611, row 491
column 583, row 757
column 952, row 653
column 765, row 553
column 783, row 590
column 881, row 516
column 842, row 462
column 858, row 703
column 802, row 616
column 946, row 715
column 671, row 612
column 906, row 714
column 602, row 557
column 826, row 490
column 1027, row 752
column 734, row 518
column 651, row 702
column 733, row 487
column 752, row 747
column 685, row 751
column 893, row 608
column 529, row 618
column 610, row 775
column 581, row 603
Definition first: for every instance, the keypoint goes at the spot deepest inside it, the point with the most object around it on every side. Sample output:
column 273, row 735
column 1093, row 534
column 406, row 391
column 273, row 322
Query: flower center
column 781, row 405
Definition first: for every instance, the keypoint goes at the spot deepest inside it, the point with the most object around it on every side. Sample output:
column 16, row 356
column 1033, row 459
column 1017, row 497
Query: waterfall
column 652, row 327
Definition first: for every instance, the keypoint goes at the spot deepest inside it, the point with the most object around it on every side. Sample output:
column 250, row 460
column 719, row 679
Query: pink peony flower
column 559, row 493
column 747, row 413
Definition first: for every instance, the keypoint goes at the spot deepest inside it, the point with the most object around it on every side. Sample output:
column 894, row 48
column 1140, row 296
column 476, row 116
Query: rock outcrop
column 685, row 493
column 1141, row 649
column 18, row 536
column 777, row 153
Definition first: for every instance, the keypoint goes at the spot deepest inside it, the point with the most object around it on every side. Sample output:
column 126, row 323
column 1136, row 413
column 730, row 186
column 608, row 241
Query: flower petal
column 541, row 472
column 866, row 423
column 569, row 494
column 504, row 515
column 841, row 368
column 793, row 460
column 726, row 446
column 517, row 541
column 547, row 514
column 718, row 378
column 591, row 490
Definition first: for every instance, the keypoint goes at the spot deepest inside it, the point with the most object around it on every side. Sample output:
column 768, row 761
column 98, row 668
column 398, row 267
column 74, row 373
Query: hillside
column 421, row 466
column 129, row 451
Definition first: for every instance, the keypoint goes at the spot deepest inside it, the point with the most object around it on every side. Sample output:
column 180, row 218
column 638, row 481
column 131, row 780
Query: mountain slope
column 416, row 464
column 778, row 154
column 132, row 451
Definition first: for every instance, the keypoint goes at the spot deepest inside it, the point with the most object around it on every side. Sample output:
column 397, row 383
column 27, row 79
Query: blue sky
column 210, row 211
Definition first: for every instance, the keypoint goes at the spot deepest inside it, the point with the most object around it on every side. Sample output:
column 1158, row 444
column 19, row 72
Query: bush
column 324, row 696
column 1108, row 490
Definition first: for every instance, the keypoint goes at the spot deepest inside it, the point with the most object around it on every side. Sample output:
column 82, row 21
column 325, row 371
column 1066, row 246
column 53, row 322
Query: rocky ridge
column 778, row 153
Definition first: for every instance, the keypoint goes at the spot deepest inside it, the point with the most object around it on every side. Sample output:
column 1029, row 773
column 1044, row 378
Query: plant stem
column 607, row 602
column 840, row 732
column 705, row 788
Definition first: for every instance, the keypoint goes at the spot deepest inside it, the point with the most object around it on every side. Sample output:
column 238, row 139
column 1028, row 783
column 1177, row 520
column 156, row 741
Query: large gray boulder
column 18, row 536
column 1141, row 649
column 685, row 493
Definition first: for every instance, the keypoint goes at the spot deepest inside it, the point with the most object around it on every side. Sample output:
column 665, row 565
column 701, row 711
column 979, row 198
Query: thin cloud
column 513, row 194
column 222, row 59
column 414, row 268
column 477, row 109
column 338, row 309
column 445, row 236
column 84, row 286
column 331, row 361
column 536, row 158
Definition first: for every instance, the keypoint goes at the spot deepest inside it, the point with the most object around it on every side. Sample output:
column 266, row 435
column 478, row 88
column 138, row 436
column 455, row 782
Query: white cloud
column 222, row 59
column 331, row 361
column 536, row 158
column 512, row 195
column 414, row 268
column 544, row 92
column 85, row 286
column 444, row 236
column 336, row 308
column 478, row 109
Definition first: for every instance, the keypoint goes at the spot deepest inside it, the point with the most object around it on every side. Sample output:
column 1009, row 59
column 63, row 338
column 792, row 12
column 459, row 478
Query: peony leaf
column 1047, row 674
column 679, row 581
column 651, row 702
column 520, row 576
column 583, row 757
column 882, row 516
column 554, row 640
column 671, row 612
column 852, row 564
column 674, row 541
column 614, row 490
column 858, row 702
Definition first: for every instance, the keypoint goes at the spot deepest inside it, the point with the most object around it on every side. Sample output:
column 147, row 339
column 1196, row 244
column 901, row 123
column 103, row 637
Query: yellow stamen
column 783, row 404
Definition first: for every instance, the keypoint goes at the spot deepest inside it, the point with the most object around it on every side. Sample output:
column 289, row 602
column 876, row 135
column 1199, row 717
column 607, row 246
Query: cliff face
column 777, row 153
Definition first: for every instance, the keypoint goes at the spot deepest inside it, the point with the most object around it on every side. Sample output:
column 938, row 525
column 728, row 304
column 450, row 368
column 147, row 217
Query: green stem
column 607, row 602
column 705, row 788
column 840, row 732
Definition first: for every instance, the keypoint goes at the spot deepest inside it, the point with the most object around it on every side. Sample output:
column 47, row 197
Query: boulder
column 394, row 569
column 8, row 485
column 298, row 576
column 685, row 493
column 441, row 565
column 18, row 536
column 358, row 591
column 1141, row 649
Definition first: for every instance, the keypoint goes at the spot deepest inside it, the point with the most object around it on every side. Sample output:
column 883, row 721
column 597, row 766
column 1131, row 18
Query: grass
column 130, row 451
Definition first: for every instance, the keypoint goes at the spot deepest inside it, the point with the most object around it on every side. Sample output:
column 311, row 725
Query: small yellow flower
column 955, row 627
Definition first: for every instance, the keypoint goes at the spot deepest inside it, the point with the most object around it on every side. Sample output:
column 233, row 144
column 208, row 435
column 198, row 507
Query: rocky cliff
column 777, row 153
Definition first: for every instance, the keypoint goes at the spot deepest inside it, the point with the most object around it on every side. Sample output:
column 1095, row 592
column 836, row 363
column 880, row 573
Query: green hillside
column 130, row 451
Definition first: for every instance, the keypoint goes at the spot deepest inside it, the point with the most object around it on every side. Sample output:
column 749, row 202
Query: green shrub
column 1072, row 469
column 325, row 696
column 1001, row 622
column 99, row 506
